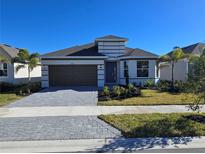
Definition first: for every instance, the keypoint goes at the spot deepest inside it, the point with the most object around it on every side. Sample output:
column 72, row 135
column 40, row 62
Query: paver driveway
column 69, row 96
column 55, row 128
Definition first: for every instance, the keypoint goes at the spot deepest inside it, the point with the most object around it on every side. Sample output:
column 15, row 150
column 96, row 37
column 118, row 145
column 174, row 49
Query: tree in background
column 173, row 58
column 26, row 59
column 196, row 81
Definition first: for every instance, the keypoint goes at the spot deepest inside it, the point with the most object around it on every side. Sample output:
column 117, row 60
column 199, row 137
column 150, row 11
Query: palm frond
column 164, row 58
column 177, row 54
column 20, row 66
column 23, row 55
column 34, row 55
column 32, row 63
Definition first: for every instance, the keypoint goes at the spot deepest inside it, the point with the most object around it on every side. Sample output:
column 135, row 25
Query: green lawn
column 151, row 97
column 158, row 125
column 6, row 98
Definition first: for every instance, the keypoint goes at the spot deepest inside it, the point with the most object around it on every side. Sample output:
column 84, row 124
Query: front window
column 142, row 68
column 125, row 69
column 3, row 69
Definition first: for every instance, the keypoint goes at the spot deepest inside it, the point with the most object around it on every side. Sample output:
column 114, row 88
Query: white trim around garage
column 46, row 63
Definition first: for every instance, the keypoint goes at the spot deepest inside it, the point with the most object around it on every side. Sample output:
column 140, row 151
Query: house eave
column 72, row 57
column 137, row 57
column 111, row 40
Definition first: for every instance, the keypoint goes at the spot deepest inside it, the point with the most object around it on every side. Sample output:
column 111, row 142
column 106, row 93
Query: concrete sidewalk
column 89, row 110
column 105, row 145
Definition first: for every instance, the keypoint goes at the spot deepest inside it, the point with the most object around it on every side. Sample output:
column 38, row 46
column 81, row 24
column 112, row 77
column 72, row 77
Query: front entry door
column 111, row 72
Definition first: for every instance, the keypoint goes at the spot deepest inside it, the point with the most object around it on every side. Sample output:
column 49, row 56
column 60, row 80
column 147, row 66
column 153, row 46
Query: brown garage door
column 72, row 75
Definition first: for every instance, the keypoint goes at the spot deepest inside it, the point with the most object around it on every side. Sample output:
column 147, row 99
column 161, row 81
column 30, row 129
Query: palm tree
column 31, row 60
column 173, row 58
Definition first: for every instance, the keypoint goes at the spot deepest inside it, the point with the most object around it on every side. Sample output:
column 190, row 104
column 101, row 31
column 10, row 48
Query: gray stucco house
column 107, row 60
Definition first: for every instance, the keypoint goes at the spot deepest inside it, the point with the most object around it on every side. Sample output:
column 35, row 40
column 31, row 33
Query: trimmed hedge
column 21, row 89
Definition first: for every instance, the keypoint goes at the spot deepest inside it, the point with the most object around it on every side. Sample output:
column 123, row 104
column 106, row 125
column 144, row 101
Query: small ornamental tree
column 175, row 56
column 31, row 60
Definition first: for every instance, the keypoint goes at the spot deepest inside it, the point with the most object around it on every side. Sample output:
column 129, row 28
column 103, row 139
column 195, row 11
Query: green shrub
column 164, row 85
column 149, row 83
column 22, row 90
column 26, row 89
column 106, row 91
column 35, row 86
column 116, row 91
column 130, row 86
column 122, row 91
column 5, row 87
column 136, row 91
column 132, row 91
column 179, row 86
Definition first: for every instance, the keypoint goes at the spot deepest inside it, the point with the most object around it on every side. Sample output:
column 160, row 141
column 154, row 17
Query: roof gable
column 111, row 38
column 11, row 51
column 196, row 48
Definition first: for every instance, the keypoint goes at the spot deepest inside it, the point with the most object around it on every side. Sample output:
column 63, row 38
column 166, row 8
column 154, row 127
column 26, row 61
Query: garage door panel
column 73, row 75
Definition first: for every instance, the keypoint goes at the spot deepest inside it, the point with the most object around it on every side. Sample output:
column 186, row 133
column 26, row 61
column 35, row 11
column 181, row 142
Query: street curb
column 103, row 145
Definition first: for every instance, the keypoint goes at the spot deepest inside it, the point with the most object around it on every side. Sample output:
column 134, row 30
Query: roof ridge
column 111, row 37
column 9, row 46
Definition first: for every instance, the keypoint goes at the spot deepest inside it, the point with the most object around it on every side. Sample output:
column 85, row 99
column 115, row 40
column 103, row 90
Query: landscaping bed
column 158, row 125
column 151, row 97
column 119, row 92
column 10, row 92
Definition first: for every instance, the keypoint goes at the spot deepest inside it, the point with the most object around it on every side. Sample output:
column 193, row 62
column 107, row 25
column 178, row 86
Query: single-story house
column 8, row 71
column 182, row 67
column 106, row 61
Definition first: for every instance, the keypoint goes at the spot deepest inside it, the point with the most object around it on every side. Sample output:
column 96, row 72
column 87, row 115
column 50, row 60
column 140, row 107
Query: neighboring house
column 182, row 67
column 106, row 61
column 8, row 71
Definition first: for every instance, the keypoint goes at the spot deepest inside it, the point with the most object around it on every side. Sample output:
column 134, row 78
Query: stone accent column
column 100, row 75
column 44, row 78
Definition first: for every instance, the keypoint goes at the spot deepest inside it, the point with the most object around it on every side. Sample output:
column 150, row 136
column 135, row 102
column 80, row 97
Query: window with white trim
column 142, row 68
column 3, row 69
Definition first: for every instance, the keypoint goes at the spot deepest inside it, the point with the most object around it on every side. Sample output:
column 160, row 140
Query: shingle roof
column 11, row 51
column 89, row 49
column 112, row 37
column 192, row 49
column 138, row 52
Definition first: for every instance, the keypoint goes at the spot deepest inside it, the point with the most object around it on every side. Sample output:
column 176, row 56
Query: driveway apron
column 56, row 127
